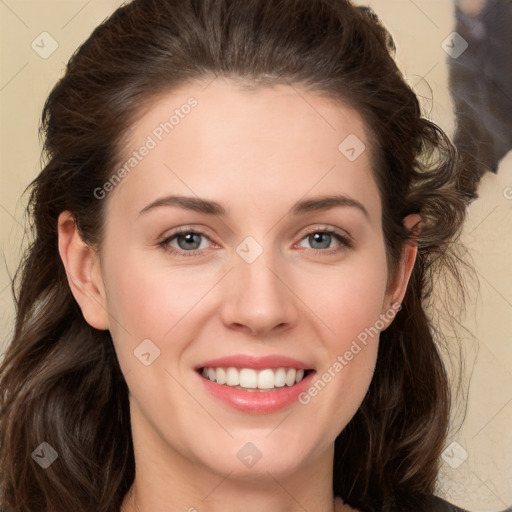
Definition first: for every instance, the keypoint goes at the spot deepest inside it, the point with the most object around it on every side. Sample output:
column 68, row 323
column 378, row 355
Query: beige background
column 483, row 481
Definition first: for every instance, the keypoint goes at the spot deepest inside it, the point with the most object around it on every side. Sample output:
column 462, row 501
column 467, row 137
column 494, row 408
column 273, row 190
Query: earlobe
column 83, row 271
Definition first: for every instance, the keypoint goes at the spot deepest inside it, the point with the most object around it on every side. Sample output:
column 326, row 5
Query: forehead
column 238, row 145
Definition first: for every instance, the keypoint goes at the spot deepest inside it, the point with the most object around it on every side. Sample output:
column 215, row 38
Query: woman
column 236, row 233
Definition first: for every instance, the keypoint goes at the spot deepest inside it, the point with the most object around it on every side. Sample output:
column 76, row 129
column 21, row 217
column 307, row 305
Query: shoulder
column 422, row 502
column 437, row 504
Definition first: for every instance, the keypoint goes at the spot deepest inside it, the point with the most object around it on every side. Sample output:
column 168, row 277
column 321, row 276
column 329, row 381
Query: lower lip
column 257, row 402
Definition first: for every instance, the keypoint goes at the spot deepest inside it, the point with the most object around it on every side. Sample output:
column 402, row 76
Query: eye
column 185, row 243
column 188, row 242
column 325, row 240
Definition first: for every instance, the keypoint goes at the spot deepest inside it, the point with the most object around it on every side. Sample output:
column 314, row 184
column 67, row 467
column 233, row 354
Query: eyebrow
column 209, row 207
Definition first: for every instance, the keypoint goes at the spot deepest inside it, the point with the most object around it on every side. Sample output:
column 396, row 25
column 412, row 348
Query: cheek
column 149, row 300
column 348, row 298
column 156, row 303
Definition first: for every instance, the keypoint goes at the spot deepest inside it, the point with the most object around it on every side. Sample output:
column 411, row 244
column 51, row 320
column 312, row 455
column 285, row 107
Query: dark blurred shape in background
column 481, row 86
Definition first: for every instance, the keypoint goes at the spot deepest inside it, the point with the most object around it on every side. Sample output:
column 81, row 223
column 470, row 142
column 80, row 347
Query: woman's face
column 280, row 264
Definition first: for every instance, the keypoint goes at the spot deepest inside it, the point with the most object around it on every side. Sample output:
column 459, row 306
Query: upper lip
column 257, row 363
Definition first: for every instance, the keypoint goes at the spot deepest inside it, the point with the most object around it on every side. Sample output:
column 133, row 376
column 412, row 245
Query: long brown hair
column 60, row 381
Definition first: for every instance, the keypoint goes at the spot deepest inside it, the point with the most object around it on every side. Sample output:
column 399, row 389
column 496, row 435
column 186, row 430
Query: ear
column 396, row 292
column 82, row 265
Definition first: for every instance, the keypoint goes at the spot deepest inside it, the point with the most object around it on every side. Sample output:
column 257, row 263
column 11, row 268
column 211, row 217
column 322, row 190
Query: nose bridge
column 257, row 298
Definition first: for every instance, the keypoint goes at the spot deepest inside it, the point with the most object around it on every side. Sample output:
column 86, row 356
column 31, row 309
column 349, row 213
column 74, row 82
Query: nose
column 257, row 298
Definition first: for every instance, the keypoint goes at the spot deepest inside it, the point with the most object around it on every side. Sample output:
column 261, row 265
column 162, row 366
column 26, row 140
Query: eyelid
column 345, row 235
column 201, row 230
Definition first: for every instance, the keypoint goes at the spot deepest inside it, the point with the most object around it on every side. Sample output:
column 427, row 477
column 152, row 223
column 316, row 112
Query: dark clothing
column 440, row 505
column 414, row 503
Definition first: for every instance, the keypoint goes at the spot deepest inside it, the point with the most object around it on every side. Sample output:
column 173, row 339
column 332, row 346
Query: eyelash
column 164, row 244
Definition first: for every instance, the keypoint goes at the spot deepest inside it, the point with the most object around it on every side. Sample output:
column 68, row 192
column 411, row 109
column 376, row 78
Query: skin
column 256, row 152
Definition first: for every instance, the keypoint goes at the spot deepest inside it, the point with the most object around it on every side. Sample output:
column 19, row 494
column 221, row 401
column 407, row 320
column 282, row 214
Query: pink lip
column 257, row 363
column 257, row 402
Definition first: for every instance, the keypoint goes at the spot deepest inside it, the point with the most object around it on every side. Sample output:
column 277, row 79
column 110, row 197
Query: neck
column 188, row 487
column 131, row 504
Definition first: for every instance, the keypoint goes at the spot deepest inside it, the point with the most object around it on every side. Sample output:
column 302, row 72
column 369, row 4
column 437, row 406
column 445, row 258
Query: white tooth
column 266, row 379
column 248, row 378
column 280, row 378
column 251, row 379
column 290, row 377
column 232, row 377
column 221, row 375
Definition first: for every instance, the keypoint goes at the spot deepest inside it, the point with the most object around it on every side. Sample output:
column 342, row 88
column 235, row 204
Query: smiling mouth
column 249, row 379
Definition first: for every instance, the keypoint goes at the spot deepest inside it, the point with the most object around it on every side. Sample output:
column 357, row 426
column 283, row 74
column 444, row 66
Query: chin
column 256, row 455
